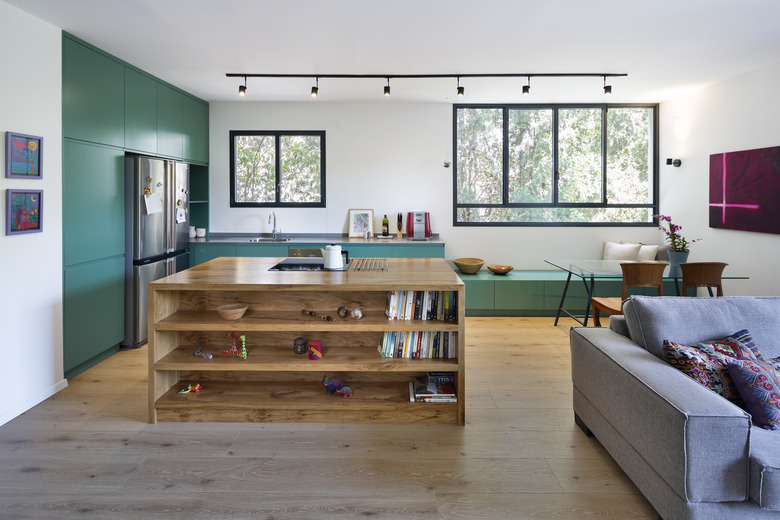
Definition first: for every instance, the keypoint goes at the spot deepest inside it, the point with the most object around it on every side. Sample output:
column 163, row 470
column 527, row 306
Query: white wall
column 31, row 265
column 388, row 156
column 738, row 114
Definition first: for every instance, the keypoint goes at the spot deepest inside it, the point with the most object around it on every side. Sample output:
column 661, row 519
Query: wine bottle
column 385, row 226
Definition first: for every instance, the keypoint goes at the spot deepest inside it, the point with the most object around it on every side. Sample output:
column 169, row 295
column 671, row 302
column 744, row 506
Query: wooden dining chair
column 635, row 274
column 702, row 274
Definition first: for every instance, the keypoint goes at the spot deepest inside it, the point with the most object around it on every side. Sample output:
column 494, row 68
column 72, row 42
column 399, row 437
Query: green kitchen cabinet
column 480, row 294
column 418, row 251
column 170, row 141
column 195, row 130
column 93, row 95
column 93, row 312
column 200, row 253
column 520, row 294
column 140, row 112
column 93, row 204
column 261, row 250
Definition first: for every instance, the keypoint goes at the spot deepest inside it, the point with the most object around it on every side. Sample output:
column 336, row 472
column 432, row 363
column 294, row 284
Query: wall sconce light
column 674, row 162
column 242, row 88
column 461, row 90
column 527, row 87
column 387, row 87
column 607, row 88
column 316, row 88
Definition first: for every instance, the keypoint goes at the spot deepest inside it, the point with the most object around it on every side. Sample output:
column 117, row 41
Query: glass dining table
column 589, row 271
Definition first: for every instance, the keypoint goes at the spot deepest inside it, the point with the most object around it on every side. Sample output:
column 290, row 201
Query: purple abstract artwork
column 745, row 190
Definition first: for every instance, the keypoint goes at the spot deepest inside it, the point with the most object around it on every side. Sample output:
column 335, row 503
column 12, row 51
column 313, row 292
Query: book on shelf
column 423, row 390
column 418, row 344
column 421, row 305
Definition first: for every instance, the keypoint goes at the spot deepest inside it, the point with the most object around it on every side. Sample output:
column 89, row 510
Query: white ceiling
column 666, row 47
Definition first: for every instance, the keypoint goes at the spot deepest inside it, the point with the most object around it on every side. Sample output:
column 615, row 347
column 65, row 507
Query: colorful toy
column 242, row 354
column 332, row 384
column 191, row 388
column 345, row 391
column 233, row 349
column 315, row 350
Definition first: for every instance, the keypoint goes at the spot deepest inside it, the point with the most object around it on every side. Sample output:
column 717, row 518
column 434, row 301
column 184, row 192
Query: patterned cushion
column 706, row 363
column 759, row 387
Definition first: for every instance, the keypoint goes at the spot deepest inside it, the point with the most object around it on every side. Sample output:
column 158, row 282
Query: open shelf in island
column 274, row 383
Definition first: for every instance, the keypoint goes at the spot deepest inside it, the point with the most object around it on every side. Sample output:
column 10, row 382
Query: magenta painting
column 745, row 190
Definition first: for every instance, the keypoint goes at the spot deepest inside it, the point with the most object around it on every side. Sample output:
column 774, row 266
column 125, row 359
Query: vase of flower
column 676, row 258
column 680, row 249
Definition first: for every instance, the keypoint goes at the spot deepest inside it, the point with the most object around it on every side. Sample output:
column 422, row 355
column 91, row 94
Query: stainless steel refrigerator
column 156, row 233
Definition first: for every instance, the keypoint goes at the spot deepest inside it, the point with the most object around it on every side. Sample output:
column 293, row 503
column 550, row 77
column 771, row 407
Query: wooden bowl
column 500, row 269
column 232, row 311
column 469, row 265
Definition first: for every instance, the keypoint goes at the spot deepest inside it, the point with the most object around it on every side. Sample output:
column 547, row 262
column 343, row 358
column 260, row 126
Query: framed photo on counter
column 360, row 222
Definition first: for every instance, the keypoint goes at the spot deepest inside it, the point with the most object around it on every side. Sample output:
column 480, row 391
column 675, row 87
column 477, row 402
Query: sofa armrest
column 694, row 439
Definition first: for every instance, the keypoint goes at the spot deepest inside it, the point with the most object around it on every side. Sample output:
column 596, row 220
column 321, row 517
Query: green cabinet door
column 519, row 294
column 200, row 253
column 93, row 312
column 169, row 122
column 195, row 128
column 140, row 112
column 270, row 250
column 93, row 205
column 418, row 251
column 480, row 294
column 93, row 95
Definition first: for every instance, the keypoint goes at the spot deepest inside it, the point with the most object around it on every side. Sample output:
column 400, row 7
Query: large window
column 277, row 168
column 555, row 164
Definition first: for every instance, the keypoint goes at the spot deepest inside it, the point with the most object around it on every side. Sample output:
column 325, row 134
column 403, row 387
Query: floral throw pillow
column 706, row 363
column 759, row 387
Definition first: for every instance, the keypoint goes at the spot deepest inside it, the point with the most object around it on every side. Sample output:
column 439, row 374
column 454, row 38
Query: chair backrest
column 643, row 274
column 702, row 274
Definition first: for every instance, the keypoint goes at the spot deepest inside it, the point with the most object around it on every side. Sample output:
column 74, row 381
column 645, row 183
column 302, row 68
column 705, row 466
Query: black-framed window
column 535, row 165
column 277, row 168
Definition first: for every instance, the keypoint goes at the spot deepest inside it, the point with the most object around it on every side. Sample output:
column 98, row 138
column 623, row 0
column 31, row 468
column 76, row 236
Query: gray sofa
column 692, row 453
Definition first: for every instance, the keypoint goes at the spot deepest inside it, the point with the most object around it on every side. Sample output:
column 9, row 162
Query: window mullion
column 604, row 155
column 556, row 176
column 278, row 166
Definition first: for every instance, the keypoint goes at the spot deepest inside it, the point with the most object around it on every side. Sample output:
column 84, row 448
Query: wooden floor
column 87, row 452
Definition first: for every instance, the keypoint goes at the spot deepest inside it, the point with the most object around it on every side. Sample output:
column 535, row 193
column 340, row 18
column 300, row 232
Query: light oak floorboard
column 88, row 451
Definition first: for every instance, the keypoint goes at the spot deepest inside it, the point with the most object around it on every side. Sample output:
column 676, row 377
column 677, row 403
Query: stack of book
column 421, row 305
column 436, row 387
column 423, row 344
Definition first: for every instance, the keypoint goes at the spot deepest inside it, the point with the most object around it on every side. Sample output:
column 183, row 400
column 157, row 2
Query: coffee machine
column 418, row 225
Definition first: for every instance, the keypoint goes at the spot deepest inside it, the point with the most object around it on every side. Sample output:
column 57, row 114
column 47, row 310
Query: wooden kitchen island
column 274, row 384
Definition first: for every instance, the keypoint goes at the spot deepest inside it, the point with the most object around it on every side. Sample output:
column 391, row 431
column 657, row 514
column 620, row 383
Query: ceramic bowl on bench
column 500, row 269
column 469, row 265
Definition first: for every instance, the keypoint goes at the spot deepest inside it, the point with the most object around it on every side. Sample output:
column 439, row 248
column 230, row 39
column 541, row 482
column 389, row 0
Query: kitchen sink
column 269, row 239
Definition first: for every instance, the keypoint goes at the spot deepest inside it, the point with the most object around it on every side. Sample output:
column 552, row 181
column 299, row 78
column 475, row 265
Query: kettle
column 331, row 256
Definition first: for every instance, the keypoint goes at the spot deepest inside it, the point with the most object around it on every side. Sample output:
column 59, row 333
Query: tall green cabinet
column 108, row 108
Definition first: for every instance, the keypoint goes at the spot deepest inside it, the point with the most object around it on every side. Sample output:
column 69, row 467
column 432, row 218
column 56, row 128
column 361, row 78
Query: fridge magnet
column 361, row 221
column 23, row 154
column 24, row 211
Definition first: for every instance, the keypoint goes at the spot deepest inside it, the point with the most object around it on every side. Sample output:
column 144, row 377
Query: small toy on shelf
column 233, row 349
column 191, row 388
column 332, row 384
column 300, row 346
column 315, row 350
column 345, row 391
column 342, row 312
column 242, row 354
column 357, row 313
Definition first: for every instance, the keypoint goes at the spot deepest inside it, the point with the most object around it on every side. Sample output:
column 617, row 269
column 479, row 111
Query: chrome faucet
column 272, row 216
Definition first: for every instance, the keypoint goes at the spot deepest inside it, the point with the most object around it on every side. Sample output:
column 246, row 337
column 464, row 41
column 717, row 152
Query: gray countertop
column 302, row 238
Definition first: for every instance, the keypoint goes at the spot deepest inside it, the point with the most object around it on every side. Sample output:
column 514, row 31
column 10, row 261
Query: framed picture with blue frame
column 24, row 211
column 23, row 156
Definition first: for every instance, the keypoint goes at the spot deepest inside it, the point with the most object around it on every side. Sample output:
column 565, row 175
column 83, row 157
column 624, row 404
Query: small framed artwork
column 360, row 222
column 24, row 211
column 23, row 156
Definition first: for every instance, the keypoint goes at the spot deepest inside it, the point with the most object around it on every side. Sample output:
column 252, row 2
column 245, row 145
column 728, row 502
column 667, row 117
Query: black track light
column 527, row 87
column 607, row 88
column 387, row 87
column 316, row 88
column 461, row 90
column 242, row 88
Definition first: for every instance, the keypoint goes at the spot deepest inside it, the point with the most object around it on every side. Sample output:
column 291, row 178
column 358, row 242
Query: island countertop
column 249, row 273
